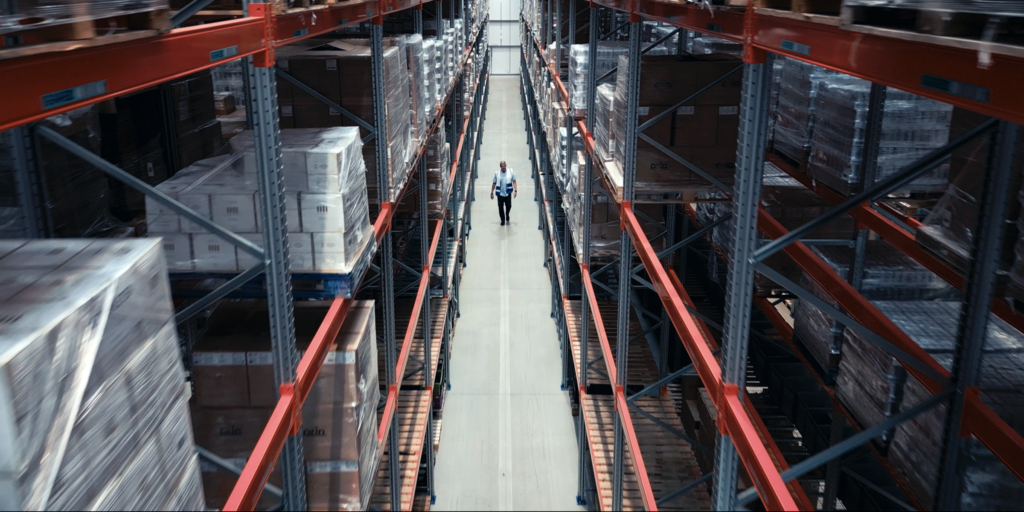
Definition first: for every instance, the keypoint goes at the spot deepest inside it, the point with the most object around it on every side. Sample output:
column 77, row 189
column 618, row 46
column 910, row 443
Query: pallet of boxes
column 236, row 391
column 93, row 398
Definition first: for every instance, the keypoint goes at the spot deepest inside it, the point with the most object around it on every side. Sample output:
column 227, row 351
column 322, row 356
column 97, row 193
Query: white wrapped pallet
column 326, row 205
column 93, row 403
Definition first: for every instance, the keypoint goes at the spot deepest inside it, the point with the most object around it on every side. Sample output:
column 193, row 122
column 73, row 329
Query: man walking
column 507, row 188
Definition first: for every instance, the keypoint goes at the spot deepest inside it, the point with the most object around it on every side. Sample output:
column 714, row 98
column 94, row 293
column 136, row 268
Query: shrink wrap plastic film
column 799, row 84
column 604, row 121
column 415, row 57
column 992, row 7
column 325, row 201
column 889, row 275
column 707, row 45
column 579, row 65
column 864, row 386
column 912, row 126
column 94, row 396
column 439, row 166
column 430, row 96
column 20, row 15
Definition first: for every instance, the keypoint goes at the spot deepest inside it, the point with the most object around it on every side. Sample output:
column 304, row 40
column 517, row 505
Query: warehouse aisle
column 507, row 436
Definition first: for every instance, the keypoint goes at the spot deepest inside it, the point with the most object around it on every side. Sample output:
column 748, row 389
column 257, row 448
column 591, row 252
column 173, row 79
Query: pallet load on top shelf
column 412, row 48
column 438, row 170
column 704, row 133
column 95, row 406
column 197, row 129
column 73, row 20
column 608, row 53
column 864, row 384
column 912, row 127
column 325, row 199
column 799, row 83
column 235, row 395
column 706, row 45
column 340, row 70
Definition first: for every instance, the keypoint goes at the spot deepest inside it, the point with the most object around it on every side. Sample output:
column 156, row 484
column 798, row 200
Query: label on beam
column 796, row 47
column 961, row 89
column 59, row 98
column 300, row 32
column 223, row 53
column 714, row 28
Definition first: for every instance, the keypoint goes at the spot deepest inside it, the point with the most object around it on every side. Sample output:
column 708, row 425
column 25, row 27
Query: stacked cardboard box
column 704, row 132
column 341, row 71
column 608, row 53
column 864, row 386
column 604, row 122
column 439, row 165
column 195, row 118
column 412, row 50
column 132, row 128
column 325, row 205
column 794, row 124
column 235, row 393
column 95, row 403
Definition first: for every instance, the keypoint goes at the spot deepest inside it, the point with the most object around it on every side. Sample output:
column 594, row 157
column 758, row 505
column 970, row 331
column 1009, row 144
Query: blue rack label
column 59, row 98
column 223, row 53
column 964, row 90
column 300, row 32
column 714, row 28
column 342, row 21
column 796, row 47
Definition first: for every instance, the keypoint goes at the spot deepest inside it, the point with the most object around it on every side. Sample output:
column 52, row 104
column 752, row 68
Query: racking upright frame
column 41, row 86
column 952, row 73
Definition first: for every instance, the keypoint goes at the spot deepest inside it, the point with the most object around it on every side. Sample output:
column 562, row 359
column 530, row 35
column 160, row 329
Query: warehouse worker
column 507, row 188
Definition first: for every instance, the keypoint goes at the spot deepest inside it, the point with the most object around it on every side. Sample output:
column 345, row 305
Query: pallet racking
column 47, row 84
column 967, row 74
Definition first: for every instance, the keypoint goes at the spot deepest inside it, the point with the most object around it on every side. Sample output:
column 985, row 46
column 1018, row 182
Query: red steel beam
column 733, row 418
column 37, row 87
column 257, row 469
column 621, row 406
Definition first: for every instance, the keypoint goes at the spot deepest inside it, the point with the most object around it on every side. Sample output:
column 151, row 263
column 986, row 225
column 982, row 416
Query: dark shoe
column 502, row 223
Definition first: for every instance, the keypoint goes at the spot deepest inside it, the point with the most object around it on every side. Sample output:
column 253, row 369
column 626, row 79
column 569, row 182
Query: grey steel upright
column 387, row 277
column 739, row 300
column 267, row 146
column 626, row 249
column 974, row 314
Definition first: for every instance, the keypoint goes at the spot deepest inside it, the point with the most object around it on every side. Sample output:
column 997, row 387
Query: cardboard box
column 322, row 213
column 223, row 103
column 214, row 254
column 235, row 211
column 178, row 251
column 219, row 372
column 333, row 485
column 198, row 200
column 218, row 484
column 229, row 432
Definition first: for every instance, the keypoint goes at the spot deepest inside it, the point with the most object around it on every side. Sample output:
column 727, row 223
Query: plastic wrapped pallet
column 933, row 325
column 604, row 121
column 340, row 70
column 234, row 383
column 707, row 45
column 229, row 77
column 415, row 55
column 794, row 125
column 912, row 127
column 95, row 406
column 21, row 15
column 579, row 66
column 430, row 100
column 325, row 202
column 889, row 275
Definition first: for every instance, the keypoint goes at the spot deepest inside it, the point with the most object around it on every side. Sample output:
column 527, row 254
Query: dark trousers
column 504, row 207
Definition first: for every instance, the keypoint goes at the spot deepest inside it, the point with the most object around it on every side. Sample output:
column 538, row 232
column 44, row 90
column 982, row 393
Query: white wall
column 503, row 36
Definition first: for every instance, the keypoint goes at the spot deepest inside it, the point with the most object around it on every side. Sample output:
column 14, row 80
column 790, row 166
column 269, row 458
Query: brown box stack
column 341, row 71
column 704, row 132
column 235, row 394
column 195, row 118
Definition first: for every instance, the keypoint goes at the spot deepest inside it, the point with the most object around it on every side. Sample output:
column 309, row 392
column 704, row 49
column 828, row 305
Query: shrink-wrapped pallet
column 94, row 399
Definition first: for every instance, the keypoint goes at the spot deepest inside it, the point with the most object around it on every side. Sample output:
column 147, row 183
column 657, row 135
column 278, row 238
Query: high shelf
column 43, row 85
column 972, row 75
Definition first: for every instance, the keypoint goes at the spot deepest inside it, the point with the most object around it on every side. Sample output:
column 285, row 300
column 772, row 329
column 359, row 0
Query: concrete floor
column 507, row 437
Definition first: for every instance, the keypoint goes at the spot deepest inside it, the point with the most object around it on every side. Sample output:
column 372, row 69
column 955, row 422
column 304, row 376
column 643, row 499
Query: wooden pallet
column 669, row 460
column 413, row 411
column 642, row 368
column 45, row 35
column 962, row 30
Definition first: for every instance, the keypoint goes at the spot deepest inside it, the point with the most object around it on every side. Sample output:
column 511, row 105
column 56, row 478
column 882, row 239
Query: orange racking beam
column 733, row 417
column 621, row 406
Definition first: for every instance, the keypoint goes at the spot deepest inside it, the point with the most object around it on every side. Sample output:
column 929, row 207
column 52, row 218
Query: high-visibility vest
column 504, row 188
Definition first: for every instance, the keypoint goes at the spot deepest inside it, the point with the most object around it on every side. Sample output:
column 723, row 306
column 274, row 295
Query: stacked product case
column 95, row 402
column 235, row 394
column 325, row 199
